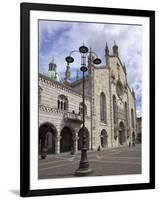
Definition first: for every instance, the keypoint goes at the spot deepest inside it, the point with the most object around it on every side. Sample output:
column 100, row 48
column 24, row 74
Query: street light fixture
column 84, row 168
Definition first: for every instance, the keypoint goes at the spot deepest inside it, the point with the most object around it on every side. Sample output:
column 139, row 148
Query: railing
column 72, row 116
column 67, row 115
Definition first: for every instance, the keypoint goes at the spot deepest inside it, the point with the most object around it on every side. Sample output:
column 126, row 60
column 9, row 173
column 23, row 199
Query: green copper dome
column 52, row 73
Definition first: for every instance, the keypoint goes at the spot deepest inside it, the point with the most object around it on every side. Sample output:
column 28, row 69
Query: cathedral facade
column 110, row 110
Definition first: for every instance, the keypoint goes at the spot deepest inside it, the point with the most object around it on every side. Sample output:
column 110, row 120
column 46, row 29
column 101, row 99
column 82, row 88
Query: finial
column 52, row 59
column 90, row 56
column 67, row 74
column 106, row 49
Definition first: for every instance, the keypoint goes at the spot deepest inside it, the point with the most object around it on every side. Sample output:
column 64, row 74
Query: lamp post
column 84, row 168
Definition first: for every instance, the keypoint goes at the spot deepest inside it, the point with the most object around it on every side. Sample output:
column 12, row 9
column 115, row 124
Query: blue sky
column 57, row 39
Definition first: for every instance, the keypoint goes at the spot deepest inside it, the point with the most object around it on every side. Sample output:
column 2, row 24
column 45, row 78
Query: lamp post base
column 84, row 168
column 83, row 172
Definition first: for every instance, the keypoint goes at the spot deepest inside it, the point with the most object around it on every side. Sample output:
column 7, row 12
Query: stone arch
column 47, row 137
column 122, row 138
column 104, row 138
column 80, row 138
column 67, row 136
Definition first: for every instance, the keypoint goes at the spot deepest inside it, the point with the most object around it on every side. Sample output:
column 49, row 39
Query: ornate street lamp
column 84, row 168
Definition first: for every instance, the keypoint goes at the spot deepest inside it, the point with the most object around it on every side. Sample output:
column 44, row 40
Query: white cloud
column 63, row 37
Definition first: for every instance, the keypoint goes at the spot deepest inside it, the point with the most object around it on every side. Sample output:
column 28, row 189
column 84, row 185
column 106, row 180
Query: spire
column 90, row 57
column 107, row 54
column 106, row 49
column 115, row 49
column 52, row 59
column 67, row 74
column 133, row 93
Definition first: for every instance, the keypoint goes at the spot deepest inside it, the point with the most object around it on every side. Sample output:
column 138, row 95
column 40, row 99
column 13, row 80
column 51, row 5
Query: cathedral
column 110, row 110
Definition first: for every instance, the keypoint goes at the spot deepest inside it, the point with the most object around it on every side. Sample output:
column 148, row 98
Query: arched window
column 132, row 118
column 64, row 105
column 58, row 104
column 126, row 111
column 114, row 109
column 61, row 105
column 81, row 108
column 102, row 107
column 62, row 102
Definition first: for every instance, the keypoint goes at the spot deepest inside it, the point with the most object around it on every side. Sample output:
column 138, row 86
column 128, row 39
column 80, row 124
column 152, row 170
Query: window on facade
column 58, row 104
column 132, row 118
column 81, row 108
column 119, row 88
column 114, row 109
column 126, row 111
column 62, row 102
column 102, row 107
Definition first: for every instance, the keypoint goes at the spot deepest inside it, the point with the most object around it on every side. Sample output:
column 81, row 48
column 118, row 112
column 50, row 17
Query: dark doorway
column 104, row 139
column 47, row 135
column 121, row 133
column 133, row 137
column 80, row 135
column 50, row 142
column 66, row 143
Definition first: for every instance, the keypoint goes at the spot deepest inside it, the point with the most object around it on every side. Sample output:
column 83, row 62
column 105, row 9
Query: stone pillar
column 57, row 144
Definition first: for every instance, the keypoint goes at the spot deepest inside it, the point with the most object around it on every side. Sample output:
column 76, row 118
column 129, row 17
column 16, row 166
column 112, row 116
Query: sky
column 58, row 38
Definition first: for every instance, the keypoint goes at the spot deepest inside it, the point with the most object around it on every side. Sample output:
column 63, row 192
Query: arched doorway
column 104, row 139
column 47, row 135
column 80, row 135
column 121, row 133
column 66, row 143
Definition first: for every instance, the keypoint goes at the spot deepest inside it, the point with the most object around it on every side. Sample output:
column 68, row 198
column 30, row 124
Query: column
column 57, row 144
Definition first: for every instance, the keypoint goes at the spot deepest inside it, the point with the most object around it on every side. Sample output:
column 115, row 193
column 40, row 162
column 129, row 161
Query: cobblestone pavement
column 116, row 161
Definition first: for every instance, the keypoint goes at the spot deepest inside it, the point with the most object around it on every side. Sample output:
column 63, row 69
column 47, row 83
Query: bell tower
column 67, row 74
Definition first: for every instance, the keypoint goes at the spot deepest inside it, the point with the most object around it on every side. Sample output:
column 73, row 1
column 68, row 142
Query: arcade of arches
column 67, row 141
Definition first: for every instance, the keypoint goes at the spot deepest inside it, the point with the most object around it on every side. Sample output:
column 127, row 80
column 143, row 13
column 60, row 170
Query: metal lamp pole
column 84, row 168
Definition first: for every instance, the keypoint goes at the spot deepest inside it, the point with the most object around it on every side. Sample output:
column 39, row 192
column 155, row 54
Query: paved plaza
column 116, row 161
